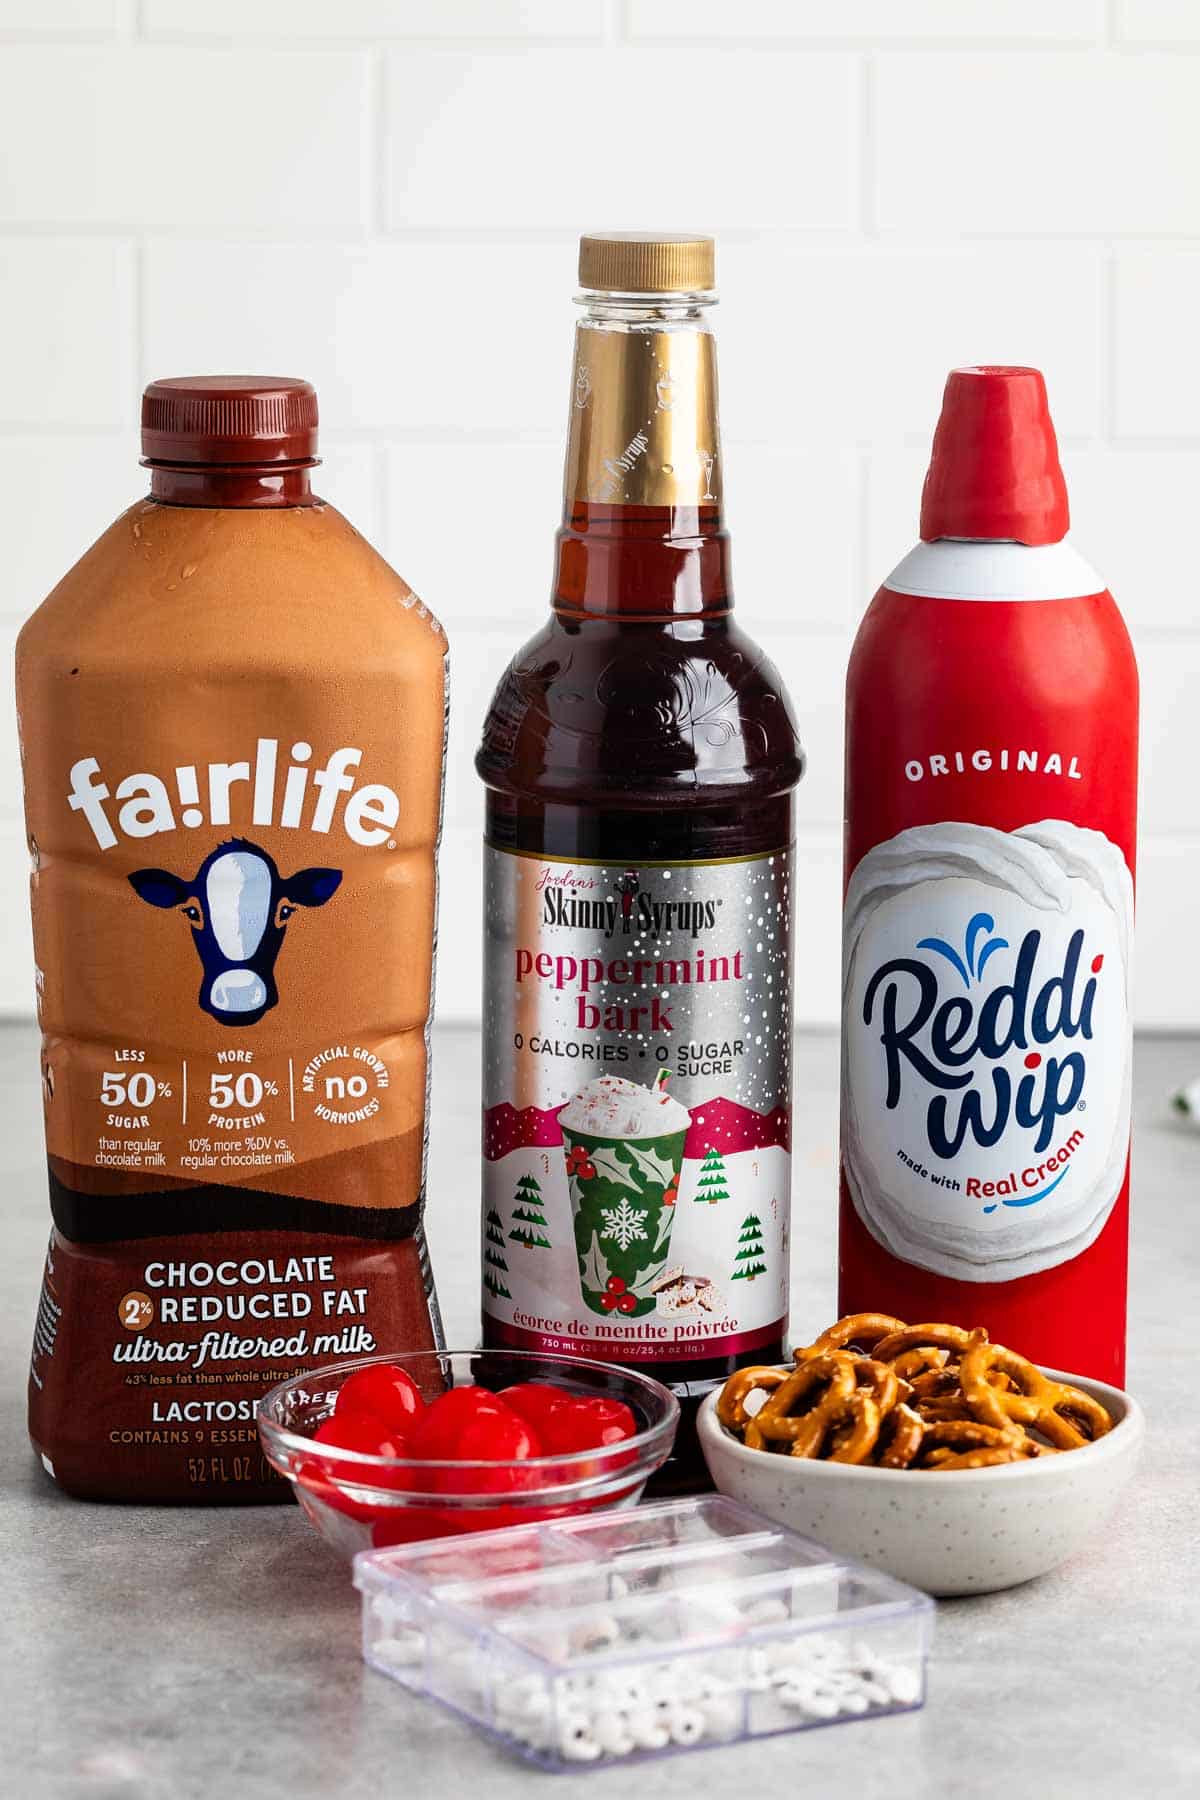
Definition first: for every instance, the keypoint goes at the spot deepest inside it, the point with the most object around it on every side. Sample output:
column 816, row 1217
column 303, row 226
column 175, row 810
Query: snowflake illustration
column 624, row 1223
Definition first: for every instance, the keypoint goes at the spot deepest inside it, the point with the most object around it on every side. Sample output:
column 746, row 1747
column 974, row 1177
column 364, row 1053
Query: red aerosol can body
column 991, row 789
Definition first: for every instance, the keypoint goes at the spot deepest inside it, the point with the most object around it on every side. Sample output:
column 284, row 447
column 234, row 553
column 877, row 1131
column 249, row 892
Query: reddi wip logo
column 950, row 1023
column 143, row 804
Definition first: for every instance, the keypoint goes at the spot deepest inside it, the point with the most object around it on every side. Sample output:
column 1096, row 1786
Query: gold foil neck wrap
column 641, row 263
column 644, row 428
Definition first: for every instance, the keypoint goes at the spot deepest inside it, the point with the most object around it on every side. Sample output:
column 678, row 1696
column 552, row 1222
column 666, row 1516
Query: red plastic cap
column 994, row 472
column 223, row 420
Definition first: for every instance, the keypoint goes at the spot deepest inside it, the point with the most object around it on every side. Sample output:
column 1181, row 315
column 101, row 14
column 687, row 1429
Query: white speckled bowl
column 967, row 1532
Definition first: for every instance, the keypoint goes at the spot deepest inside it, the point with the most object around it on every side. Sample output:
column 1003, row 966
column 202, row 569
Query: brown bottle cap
column 229, row 419
column 647, row 262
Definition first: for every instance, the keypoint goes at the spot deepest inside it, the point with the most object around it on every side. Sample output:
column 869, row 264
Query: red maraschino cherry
column 383, row 1391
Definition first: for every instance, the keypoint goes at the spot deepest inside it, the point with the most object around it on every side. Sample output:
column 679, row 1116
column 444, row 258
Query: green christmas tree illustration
column 530, row 1226
column 712, row 1179
column 749, row 1259
column 495, row 1268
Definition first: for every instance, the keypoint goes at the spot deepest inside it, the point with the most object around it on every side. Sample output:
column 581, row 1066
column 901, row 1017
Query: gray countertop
column 166, row 1654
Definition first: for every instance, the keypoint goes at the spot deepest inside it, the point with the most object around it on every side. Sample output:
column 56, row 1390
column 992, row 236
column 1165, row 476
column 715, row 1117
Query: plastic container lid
column 224, row 420
column 994, row 472
column 620, row 1635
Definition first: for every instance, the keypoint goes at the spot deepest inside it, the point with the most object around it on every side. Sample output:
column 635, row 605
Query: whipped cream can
column 991, row 786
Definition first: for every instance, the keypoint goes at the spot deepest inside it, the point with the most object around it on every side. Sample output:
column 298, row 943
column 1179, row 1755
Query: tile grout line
column 376, row 173
column 868, row 160
column 861, row 561
column 1107, row 374
column 140, row 300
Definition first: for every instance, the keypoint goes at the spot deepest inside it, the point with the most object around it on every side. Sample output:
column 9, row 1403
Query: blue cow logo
column 238, row 906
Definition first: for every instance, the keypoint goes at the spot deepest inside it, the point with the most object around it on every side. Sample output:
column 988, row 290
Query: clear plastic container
column 676, row 1626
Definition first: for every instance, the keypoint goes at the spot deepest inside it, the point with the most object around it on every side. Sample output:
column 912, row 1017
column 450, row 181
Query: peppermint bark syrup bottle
column 639, row 757
column 991, row 794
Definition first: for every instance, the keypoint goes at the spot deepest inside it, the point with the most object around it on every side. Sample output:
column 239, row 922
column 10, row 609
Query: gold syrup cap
column 647, row 262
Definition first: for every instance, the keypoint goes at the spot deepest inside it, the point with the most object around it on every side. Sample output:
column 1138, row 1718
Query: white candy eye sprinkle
column 904, row 1685
column 575, row 1738
column 685, row 1725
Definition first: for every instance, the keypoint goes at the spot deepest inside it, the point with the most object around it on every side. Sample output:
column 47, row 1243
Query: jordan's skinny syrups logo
column 950, row 1021
column 630, row 908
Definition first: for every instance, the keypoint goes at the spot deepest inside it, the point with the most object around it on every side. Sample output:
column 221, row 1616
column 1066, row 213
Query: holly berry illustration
column 671, row 1194
column 616, row 1297
column 580, row 1164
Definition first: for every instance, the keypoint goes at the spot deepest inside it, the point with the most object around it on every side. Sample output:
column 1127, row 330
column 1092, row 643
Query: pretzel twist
column 973, row 1459
column 731, row 1402
column 944, row 1406
column 971, row 1434
column 859, row 1411
column 924, row 1359
column 827, row 1379
column 878, row 1379
column 936, row 1397
column 864, row 1328
column 902, row 1437
column 918, row 1337
column 1065, row 1415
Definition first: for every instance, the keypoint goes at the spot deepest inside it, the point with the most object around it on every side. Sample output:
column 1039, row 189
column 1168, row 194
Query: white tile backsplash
column 311, row 21
column 563, row 137
column 1064, row 142
column 449, row 339
column 867, row 22
column 1157, row 21
column 383, row 195
column 62, row 491
column 1156, row 302
column 182, row 139
column 852, row 346
column 68, row 349
column 76, row 18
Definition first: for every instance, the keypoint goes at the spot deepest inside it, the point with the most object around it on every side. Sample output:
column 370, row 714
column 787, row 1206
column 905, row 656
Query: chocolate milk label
column 636, row 1104
column 239, row 930
column 986, row 1044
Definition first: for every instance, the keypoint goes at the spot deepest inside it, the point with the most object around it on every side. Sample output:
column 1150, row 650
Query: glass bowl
column 360, row 1502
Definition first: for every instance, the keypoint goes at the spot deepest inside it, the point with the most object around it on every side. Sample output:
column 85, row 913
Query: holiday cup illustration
column 623, row 1145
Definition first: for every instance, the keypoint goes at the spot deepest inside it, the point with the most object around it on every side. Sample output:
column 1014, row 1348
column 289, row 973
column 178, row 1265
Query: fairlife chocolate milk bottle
column 232, row 716
column 991, row 791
